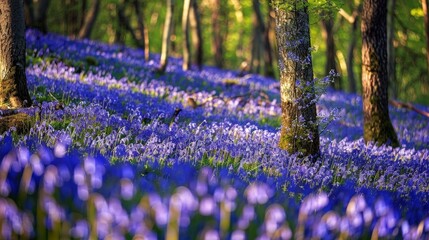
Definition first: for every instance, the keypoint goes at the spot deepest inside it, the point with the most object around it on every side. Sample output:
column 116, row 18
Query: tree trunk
column 197, row 38
column 40, row 16
column 239, row 17
column 299, row 131
column 13, row 91
column 268, row 53
column 29, row 12
column 143, row 31
column 217, row 47
column 185, row 30
column 377, row 125
column 353, row 20
column 331, row 52
column 257, row 33
column 166, row 35
column 351, row 50
column 425, row 4
column 391, row 64
column 91, row 16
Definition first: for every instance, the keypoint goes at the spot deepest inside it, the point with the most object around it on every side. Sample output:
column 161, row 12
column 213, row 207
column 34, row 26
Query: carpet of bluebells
column 118, row 151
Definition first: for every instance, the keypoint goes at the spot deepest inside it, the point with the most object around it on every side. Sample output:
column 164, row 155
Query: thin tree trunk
column 377, row 125
column 40, row 16
column 331, row 52
column 197, row 38
column 29, row 13
column 90, row 18
column 425, row 4
column 239, row 17
column 185, row 30
column 13, row 91
column 166, row 35
column 299, row 131
column 217, row 47
column 268, row 52
column 391, row 64
column 144, row 36
column 257, row 33
column 82, row 13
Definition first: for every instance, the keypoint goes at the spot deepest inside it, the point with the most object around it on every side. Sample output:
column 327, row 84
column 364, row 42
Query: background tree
column 36, row 14
column 13, row 91
column 425, row 4
column 166, row 35
column 377, row 125
column 197, row 37
column 185, row 30
column 328, row 32
column 391, row 60
column 89, row 20
column 353, row 19
column 299, row 131
column 217, row 38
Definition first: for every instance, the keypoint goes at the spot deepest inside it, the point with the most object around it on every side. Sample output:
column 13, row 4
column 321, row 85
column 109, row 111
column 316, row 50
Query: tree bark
column 377, row 125
column 13, row 91
column 166, row 35
column 299, row 131
column 185, row 30
column 28, row 12
column 41, row 15
column 90, row 18
column 353, row 20
column 217, row 47
column 425, row 4
column 197, row 37
column 143, row 31
column 239, row 17
column 331, row 52
column 391, row 64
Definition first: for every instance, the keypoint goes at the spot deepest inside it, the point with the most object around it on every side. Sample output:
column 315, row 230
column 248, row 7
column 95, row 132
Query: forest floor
column 118, row 149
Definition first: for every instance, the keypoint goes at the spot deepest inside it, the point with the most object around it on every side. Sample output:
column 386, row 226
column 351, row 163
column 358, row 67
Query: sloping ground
column 221, row 148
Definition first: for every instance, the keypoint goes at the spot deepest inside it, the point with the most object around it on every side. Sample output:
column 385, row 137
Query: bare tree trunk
column 299, row 117
column 354, row 20
column 197, row 38
column 185, row 30
column 40, row 16
column 268, row 52
column 13, row 91
column 144, row 35
column 82, row 13
column 166, row 35
column 29, row 12
column 377, row 125
column 391, row 63
column 239, row 17
column 257, row 33
column 425, row 4
column 90, row 18
column 217, row 47
column 331, row 52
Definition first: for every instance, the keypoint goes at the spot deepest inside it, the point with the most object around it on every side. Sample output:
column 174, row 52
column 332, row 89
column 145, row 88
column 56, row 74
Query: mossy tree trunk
column 299, row 131
column 13, row 82
column 377, row 125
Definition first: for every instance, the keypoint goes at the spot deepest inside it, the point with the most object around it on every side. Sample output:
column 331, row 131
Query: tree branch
column 408, row 106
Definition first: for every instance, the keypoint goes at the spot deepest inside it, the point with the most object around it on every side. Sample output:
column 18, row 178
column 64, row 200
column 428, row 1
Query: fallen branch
column 408, row 106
